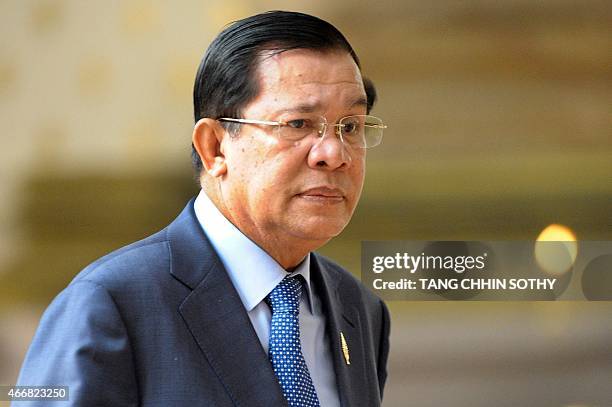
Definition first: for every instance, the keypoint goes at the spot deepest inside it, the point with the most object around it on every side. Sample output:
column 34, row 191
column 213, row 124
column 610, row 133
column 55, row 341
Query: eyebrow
column 312, row 107
column 361, row 101
column 302, row 108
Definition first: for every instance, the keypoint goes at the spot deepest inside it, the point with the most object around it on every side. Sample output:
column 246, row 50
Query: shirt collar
column 253, row 272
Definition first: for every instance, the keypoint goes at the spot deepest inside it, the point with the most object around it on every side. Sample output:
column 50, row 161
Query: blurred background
column 500, row 125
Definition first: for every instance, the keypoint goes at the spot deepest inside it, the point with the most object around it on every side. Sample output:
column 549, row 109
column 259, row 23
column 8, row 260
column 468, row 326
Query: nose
column 328, row 151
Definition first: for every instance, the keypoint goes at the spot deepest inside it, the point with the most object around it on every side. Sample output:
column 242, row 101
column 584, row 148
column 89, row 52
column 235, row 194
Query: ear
column 206, row 138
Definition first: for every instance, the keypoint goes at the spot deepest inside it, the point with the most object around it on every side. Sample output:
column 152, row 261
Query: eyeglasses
column 357, row 131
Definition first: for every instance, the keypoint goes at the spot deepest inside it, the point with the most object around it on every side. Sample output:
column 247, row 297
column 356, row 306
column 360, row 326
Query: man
column 229, row 306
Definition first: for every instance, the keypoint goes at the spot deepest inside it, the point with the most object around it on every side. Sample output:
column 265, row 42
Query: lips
column 323, row 193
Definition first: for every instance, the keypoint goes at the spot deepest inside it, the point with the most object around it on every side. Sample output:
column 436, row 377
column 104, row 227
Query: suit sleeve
column 383, row 348
column 82, row 343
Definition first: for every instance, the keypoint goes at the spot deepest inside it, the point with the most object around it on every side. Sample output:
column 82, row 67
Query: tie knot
column 285, row 297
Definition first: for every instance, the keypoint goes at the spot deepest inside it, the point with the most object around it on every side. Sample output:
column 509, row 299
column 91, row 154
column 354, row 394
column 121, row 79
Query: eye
column 297, row 123
column 297, row 129
column 351, row 127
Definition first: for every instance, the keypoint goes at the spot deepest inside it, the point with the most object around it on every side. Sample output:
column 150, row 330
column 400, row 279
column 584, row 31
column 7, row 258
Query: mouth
column 323, row 194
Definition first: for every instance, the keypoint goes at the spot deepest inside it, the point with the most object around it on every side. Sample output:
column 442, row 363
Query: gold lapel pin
column 345, row 350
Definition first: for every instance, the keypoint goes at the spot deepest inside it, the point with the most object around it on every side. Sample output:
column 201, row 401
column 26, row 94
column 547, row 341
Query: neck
column 286, row 249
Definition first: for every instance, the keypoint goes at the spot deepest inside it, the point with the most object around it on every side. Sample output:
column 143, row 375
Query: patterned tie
column 285, row 349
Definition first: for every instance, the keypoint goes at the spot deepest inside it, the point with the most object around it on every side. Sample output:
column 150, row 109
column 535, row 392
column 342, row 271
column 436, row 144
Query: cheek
column 244, row 157
column 264, row 170
column 358, row 171
column 253, row 153
column 264, row 179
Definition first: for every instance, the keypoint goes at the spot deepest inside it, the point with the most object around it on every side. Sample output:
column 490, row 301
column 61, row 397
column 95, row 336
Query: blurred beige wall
column 499, row 125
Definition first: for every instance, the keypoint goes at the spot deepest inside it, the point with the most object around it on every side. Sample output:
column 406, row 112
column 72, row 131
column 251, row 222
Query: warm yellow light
column 556, row 258
column 556, row 233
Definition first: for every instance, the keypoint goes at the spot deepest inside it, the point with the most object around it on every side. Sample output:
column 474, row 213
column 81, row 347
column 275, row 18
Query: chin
column 322, row 230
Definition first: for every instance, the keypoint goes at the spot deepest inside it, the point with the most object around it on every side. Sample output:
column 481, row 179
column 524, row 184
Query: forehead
column 308, row 77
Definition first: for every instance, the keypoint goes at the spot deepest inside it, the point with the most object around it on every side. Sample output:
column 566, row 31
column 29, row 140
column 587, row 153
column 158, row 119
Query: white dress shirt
column 254, row 274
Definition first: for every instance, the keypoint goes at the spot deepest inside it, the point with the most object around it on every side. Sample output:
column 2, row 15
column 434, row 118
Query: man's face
column 284, row 192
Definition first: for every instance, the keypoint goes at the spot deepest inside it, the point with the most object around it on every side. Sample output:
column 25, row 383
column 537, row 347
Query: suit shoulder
column 128, row 262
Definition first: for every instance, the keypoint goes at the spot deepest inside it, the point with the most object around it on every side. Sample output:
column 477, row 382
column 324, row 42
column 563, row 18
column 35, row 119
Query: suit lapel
column 215, row 316
column 351, row 378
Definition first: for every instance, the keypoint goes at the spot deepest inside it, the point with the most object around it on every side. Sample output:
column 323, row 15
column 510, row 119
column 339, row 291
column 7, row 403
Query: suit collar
column 342, row 317
column 191, row 255
column 216, row 318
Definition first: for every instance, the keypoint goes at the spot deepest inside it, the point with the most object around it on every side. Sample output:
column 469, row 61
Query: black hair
column 226, row 80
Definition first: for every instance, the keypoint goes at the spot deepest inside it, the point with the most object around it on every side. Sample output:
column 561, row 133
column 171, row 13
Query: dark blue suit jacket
column 159, row 323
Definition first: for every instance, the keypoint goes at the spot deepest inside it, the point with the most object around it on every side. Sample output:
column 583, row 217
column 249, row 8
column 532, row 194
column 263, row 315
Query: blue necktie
column 285, row 350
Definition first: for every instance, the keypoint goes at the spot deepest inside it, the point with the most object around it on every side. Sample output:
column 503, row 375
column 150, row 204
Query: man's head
column 227, row 77
column 289, row 196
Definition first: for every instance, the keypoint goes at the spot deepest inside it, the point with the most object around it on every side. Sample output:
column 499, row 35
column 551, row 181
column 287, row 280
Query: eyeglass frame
column 320, row 132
